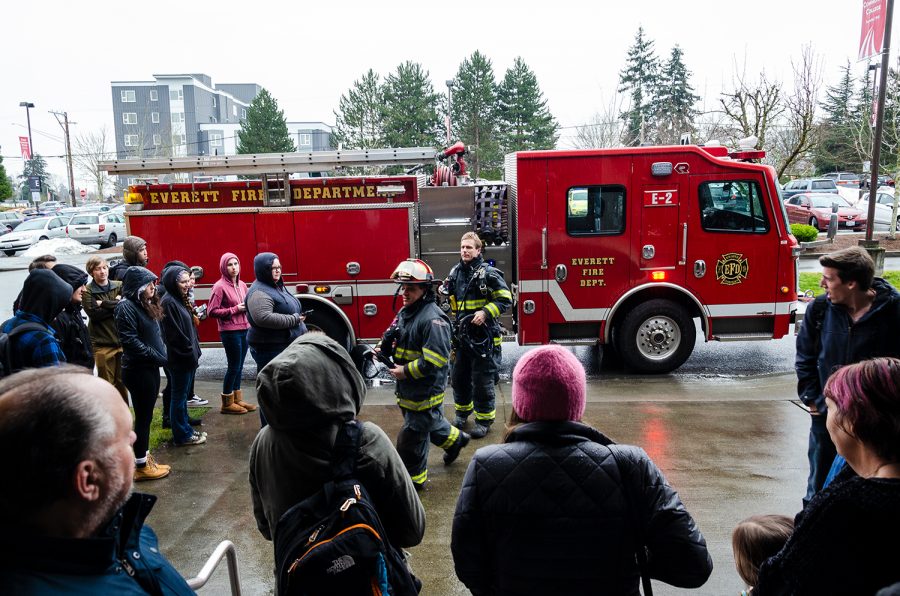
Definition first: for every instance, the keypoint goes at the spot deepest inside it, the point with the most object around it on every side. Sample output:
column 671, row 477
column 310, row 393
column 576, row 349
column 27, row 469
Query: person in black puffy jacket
column 558, row 508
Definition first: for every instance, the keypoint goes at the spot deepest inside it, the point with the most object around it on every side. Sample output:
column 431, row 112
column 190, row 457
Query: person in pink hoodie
column 226, row 305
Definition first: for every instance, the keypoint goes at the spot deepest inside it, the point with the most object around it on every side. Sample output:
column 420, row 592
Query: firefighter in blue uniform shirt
column 478, row 296
column 419, row 341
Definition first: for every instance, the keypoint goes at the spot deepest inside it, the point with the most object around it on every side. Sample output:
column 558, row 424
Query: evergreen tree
column 6, row 189
column 359, row 119
column 525, row 121
column 475, row 113
column 639, row 79
column 36, row 166
column 835, row 152
column 411, row 117
column 673, row 106
column 264, row 130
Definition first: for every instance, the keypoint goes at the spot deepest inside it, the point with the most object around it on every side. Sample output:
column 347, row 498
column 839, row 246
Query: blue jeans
column 182, row 380
column 821, row 454
column 263, row 356
column 235, row 344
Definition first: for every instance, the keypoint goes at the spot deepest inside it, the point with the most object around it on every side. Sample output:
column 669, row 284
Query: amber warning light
column 658, row 276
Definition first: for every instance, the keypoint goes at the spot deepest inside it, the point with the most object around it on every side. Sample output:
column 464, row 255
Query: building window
column 176, row 94
column 131, row 140
column 243, row 113
column 129, row 118
column 215, row 140
column 305, row 139
column 154, row 117
column 234, row 110
column 214, row 100
column 128, row 96
column 157, row 140
column 594, row 210
column 154, row 95
column 179, row 140
column 177, row 116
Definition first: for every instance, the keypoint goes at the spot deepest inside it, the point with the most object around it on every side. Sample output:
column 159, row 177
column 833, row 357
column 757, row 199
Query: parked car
column 843, row 178
column 9, row 221
column 52, row 205
column 884, row 209
column 817, row 185
column 104, row 229
column 815, row 209
column 30, row 232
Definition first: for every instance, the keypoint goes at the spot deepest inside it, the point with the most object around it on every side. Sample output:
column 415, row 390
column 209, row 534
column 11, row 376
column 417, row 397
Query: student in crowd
column 558, row 508
column 143, row 351
column 99, row 302
column 73, row 334
column 306, row 393
column 841, row 541
column 44, row 296
column 41, row 262
column 134, row 254
column 69, row 521
column 227, row 306
column 756, row 539
column 179, row 327
column 275, row 315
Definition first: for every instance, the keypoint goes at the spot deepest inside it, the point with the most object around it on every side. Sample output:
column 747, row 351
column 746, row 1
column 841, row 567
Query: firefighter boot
column 239, row 401
column 453, row 450
column 228, row 405
column 482, row 428
column 460, row 421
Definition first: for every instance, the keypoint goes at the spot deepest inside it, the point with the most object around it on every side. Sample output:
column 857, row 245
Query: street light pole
column 28, row 105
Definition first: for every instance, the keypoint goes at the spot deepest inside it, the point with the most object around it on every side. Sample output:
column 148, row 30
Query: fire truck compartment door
column 661, row 233
column 732, row 253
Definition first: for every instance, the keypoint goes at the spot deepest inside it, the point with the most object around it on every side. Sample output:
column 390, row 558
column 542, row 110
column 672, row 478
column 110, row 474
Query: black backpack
column 6, row 365
column 333, row 542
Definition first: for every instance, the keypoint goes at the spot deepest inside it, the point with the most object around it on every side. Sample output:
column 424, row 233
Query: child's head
column 756, row 539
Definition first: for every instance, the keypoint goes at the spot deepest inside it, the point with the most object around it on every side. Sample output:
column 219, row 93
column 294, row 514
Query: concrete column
column 876, row 251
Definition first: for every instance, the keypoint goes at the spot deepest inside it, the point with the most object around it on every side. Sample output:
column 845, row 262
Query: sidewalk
column 731, row 448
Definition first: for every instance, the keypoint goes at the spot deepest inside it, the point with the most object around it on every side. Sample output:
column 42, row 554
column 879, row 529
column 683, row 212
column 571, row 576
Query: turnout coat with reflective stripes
column 488, row 292
column 423, row 349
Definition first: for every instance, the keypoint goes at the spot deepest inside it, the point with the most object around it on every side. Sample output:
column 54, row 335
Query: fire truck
column 634, row 249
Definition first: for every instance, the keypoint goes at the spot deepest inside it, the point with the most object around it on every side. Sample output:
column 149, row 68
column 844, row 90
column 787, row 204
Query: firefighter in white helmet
column 419, row 340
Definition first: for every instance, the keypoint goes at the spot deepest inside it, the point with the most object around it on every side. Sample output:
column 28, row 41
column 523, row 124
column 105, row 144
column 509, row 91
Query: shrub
column 804, row 233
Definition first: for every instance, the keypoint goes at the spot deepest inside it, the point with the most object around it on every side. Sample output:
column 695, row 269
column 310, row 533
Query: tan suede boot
column 228, row 405
column 239, row 400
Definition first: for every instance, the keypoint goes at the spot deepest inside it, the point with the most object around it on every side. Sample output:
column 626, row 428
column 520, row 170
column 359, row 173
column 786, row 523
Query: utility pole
column 879, row 124
column 65, row 126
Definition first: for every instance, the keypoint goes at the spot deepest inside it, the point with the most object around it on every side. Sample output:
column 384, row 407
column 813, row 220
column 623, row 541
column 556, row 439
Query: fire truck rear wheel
column 656, row 337
column 330, row 326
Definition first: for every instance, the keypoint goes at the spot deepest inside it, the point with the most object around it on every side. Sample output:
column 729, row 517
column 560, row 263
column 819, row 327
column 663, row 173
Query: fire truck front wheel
column 656, row 337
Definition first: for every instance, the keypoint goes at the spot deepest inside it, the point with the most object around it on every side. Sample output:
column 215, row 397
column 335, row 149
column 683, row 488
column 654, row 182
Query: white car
column 884, row 209
column 105, row 229
column 28, row 233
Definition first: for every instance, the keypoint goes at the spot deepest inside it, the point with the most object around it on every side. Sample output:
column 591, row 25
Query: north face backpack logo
column 340, row 564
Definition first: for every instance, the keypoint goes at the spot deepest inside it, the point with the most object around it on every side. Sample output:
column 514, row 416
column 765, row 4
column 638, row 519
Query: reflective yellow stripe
column 420, row 478
column 413, row 368
column 420, row 406
column 434, row 358
column 407, row 354
column 486, row 415
column 501, row 294
column 492, row 309
column 498, row 341
column 454, row 433
column 464, row 407
column 473, row 304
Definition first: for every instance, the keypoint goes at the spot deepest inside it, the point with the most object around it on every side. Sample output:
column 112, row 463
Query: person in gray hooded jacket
column 307, row 392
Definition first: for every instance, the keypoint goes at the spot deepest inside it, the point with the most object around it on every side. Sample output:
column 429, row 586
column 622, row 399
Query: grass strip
column 160, row 435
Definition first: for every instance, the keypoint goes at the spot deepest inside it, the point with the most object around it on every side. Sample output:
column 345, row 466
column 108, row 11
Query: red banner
column 871, row 37
column 26, row 147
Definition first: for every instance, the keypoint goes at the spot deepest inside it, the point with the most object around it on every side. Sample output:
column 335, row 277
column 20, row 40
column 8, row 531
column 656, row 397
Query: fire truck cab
column 630, row 248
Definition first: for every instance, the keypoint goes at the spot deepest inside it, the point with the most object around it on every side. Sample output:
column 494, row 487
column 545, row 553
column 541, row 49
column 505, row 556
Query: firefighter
column 419, row 341
column 478, row 296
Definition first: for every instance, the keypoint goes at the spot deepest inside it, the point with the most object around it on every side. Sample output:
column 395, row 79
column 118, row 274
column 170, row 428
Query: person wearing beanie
column 556, row 507
column 73, row 334
column 307, row 392
column 134, row 253
column 44, row 296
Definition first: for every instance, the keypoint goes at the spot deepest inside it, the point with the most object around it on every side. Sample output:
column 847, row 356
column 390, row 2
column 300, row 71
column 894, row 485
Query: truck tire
column 656, row 337
column 329, row 324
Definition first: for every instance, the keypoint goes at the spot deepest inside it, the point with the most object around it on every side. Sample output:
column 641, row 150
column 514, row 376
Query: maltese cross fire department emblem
column 731, row 269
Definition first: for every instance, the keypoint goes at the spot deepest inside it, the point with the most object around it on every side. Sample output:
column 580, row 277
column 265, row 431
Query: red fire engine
column 626, row 247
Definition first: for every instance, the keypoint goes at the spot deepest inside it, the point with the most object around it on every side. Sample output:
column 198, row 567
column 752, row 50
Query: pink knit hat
column 548, row 383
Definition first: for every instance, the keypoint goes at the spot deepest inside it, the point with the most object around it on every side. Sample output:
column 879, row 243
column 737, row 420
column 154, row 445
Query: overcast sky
column 62, row 55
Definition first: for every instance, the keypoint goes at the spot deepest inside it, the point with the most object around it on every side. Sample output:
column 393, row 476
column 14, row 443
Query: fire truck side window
column 595, row 210
column 732, row 206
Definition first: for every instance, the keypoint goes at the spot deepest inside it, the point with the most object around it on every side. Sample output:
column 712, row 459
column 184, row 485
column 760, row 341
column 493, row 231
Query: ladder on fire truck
column 274, row 165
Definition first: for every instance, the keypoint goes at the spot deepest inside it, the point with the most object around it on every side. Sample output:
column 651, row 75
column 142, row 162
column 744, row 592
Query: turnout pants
column 420, row 428
column 473, row 380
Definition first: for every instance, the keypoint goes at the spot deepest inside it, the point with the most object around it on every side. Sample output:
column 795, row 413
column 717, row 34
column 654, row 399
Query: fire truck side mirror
column 196, row 272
